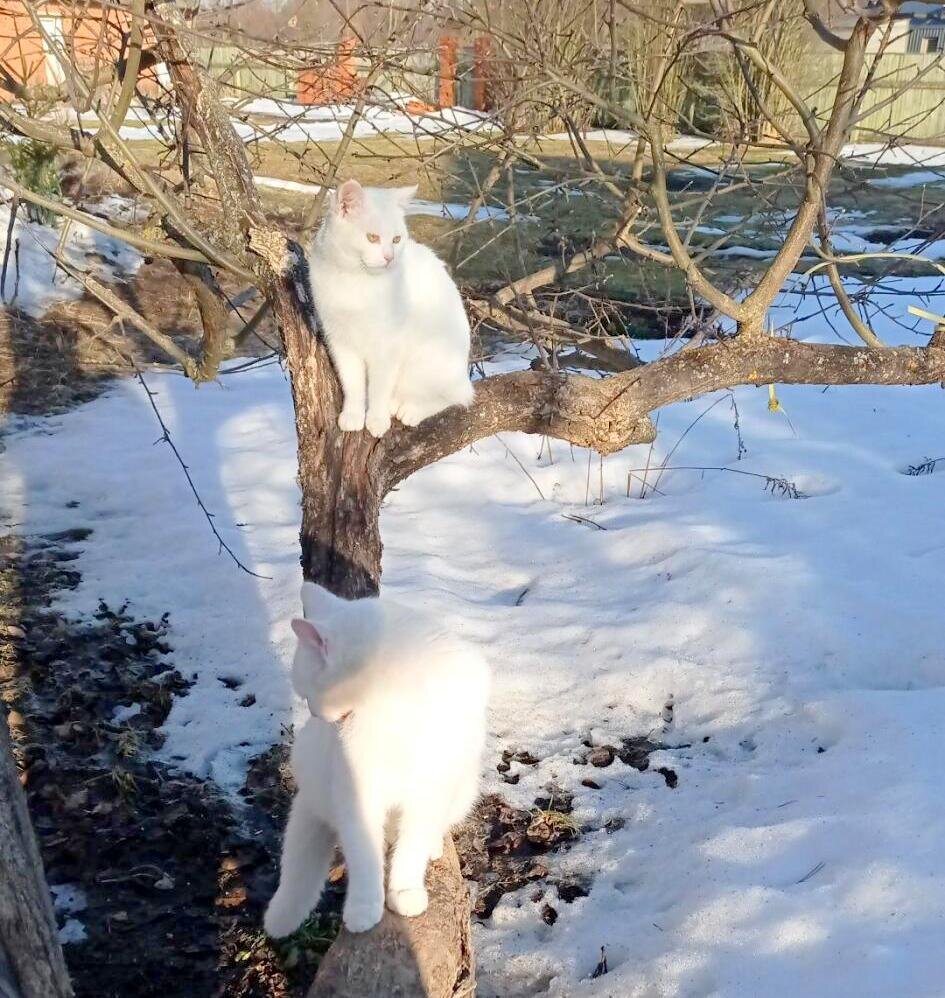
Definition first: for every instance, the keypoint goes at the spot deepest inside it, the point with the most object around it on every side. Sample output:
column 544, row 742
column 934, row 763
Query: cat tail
column 300, row 276
column 307, row 851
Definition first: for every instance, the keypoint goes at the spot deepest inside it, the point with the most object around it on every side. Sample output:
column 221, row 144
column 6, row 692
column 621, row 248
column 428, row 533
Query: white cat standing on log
column 394, row 743
column 392, row 317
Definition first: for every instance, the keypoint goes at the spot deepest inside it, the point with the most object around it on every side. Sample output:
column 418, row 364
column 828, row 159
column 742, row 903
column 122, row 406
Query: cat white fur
column 392, row 317
column 395, row 742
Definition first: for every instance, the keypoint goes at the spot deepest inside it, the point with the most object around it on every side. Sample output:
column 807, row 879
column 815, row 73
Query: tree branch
column 611, row 413
column 151, row 247
column 211, row 306
column 823, row 32
column 127, row 314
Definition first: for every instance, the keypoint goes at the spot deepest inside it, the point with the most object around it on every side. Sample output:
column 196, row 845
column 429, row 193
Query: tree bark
column 429, row 956
column 31, row 961
column 340, row 474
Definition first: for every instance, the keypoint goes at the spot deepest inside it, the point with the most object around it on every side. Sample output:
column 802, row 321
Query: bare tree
column 553, row 64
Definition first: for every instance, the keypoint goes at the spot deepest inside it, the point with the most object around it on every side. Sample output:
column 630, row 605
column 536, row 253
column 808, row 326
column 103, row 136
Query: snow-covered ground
column 803, row 850
column 418, row 206
column 303, row 123
column 34, row 282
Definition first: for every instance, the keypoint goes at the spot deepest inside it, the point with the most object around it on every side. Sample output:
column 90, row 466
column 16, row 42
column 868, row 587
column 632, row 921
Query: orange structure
column 335, row 83
column 482, row 66
column 449, row 62
column 94, row 36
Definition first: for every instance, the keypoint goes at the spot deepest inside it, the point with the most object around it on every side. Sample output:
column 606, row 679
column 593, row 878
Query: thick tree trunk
column 31, row 962
column 341, row 474
column 427, row 957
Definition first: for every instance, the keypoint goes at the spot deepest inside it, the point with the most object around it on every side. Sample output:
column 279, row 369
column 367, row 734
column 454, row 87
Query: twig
column 682, row 437
column 514, row 457
column 776, row 484
column 148, row 246
column 14, row 205
column 124, row 311
column 584, row 519
column 811, row 873
column 926, row 467
column 166, row 438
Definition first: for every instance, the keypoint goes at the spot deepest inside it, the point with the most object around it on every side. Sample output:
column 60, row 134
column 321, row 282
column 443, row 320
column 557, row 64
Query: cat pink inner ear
column 306, row 632
column 350, row 198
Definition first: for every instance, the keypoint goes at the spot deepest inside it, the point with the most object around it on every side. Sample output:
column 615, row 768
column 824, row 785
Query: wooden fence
column 918, row 114
column 241, row 75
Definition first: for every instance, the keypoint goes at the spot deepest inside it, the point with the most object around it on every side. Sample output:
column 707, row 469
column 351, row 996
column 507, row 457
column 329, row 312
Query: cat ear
column 308, row 635
column 349, row 198
column 309, row 596
column 404, row 195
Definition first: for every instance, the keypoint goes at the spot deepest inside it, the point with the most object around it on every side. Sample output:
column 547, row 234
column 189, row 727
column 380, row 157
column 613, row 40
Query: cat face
column 335, row 638
column 369, row 223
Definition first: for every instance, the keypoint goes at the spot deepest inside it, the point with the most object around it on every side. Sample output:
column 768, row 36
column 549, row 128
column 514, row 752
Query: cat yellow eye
column 397, row 239
column 373, row 237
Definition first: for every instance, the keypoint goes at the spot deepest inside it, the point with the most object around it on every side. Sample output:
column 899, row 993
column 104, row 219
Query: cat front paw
column 377, row 424
column 436, row 851
column 409, row 903
column 282, row 918
column 362, row 914
column 410, row 415
column 350, row 421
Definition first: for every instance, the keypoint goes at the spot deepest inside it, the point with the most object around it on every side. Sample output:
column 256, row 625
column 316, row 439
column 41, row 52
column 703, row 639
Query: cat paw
column 281, row 919
column 410, row 415
column 350, row 422
column 436, row 852
column 377, row 425
column 409, row 903
column 359, row 916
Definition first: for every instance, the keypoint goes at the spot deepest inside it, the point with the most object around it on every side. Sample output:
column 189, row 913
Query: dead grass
column 65, row 358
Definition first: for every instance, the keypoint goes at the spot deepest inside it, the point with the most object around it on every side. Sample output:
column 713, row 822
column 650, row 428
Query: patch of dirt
column 504, row 848
column 634, row 751
column 175, row 879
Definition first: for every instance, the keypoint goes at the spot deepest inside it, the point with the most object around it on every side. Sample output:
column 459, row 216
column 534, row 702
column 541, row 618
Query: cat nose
column 388, row 257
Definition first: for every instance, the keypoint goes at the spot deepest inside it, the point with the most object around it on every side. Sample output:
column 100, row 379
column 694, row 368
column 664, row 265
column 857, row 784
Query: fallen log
column 425, row 957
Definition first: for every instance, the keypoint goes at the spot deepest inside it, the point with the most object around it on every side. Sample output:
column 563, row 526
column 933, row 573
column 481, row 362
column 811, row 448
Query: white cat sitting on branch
column 394, row 745
column 392, row 317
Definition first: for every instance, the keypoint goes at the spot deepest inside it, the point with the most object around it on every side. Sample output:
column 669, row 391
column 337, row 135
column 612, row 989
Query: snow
column 848, row 240
column 297, row 186
column 326, row 124
column 902, row 155
column 622, row 137
column 72, row 931
column 801, row 852
column 69, row 899
column 41, row 284
column 125, row 713
column 268, row 119
column 458, row 212
column 418, row 206
column 914, row 178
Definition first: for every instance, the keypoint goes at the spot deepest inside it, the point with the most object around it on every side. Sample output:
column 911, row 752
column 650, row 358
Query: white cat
column 393, row 318
column 397, row 732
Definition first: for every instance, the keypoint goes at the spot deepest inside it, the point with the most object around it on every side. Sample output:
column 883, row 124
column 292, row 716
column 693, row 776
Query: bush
column 33, row 165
